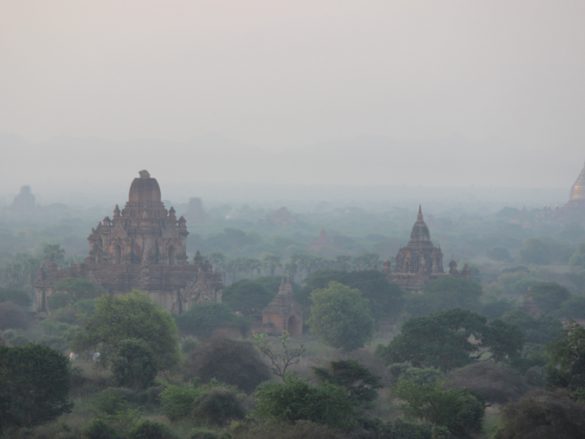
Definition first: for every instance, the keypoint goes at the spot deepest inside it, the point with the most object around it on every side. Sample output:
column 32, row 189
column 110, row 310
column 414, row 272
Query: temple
column 283, row 314
column 142, row 246
column 577, row 194
column 420, row 261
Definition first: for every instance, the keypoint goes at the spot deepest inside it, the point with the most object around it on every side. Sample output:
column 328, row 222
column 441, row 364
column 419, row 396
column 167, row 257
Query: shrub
column 19, row 297
column 151, row 430
column 13, row 316
column 177, row 401
column 218, row 406
column 296, row 400
column 543, row 415
column 100, row 429
column 134, row 364
column 203, row 320
column 297, row 430
column 229, row 361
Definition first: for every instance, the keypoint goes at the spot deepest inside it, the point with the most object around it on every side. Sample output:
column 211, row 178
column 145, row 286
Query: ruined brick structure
column 577, row 194
column 419, row 262
column 142, row 246
column 283, row 313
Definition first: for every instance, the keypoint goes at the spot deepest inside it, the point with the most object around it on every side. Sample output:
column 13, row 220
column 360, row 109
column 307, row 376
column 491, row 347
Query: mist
column 269, row 94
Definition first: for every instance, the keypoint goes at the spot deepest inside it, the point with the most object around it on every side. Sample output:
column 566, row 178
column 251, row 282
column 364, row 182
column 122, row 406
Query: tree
column 492, row 382
column 13, row 316
column 134, row 364
column 204, row 319
column 248, row 297
column 230, row 361
column 295, row 400
column 281, row 359
column 360, row 384
column 218, row 406
column 19, row 297
column 536, row 251
column 445, row 293
column 177, row 401
column 78, row 288
column 54, row 253
column 34, row 385
column 386, row 299
column 131, row 316
column 341, row 316
column 451, row 339
column 457, row 410
column 566, row 361
column 543, row 415
column 548, row 296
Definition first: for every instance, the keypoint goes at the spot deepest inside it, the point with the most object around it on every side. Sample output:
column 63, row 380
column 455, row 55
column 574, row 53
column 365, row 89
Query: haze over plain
column 397, row 93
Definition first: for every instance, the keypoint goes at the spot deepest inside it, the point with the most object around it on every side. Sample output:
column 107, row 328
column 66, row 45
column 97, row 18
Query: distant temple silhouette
column 419, row 262
column 143, row 246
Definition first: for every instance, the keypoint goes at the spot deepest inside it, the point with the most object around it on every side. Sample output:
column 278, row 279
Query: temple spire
column 419, row 217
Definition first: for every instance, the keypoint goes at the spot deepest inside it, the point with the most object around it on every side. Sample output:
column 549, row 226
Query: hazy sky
column 408, row 92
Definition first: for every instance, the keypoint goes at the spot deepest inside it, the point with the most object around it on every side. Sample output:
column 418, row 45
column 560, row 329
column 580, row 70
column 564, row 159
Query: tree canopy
column 452, row 339
column 341, row 316
column 386, row 298
column 131, row 316
column 34, row 385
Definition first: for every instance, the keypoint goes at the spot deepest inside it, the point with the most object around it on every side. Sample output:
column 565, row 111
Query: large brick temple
column 142, row 246
column 420, row 262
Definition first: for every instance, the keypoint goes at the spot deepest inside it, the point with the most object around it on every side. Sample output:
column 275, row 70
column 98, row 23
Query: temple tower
column 419, row 261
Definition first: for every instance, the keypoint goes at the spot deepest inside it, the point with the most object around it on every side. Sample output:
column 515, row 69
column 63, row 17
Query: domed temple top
column 420, row 231
column 578, row 188
column 144, row 190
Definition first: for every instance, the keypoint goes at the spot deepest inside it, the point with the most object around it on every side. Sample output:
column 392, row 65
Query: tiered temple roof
column 142, row 246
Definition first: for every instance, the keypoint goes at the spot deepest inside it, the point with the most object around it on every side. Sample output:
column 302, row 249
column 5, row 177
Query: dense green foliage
column 218, row 406
column 385, row 298
column 544, row 415
column 457, row 410
column 18, row 297
column 360, row 384
column 229, row 361
column 134, row 364
column 34, row 385
column 443, row 294
column 452, row 339
column 203, row 320
column 295, row 400
column 566, row 361
column 132, row 316
column 341, row 316
column 248, row 297
column 177, row 401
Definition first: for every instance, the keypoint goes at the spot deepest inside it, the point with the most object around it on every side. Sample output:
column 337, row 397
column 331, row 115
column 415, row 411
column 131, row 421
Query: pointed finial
column 420, row 214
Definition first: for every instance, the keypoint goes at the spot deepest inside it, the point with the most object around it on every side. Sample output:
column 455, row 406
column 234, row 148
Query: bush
column 203, row 320
column 13, row 316
column 134, row 364
column 296, row 400
column 543, row 415
column 296, row 430
column 100, row 429
column 492, row 382
column 19, row 297
column 457, row 410
column 151, row 430
column 111, row 401
column 178, row 401
column 34, row 385
column 218, row 406
column 232, row 362
column 341, row 316
column 204, row 433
